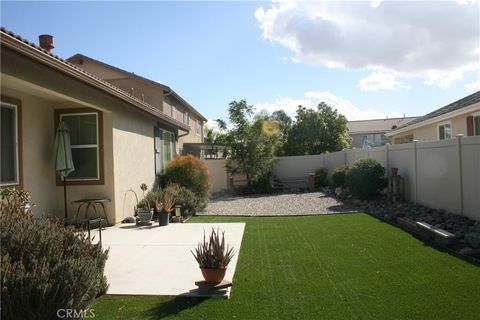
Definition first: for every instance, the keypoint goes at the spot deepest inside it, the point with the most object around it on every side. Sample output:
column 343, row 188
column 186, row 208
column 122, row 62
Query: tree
column 317, row 131
column 251, row 143
column 285, row 123
column 213, row 137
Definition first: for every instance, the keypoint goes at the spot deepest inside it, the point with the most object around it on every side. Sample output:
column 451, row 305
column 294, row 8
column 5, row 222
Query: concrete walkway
column 153, row 260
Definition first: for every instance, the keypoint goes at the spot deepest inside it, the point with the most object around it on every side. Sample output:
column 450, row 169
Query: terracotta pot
column 394, row 171
column 213, row 275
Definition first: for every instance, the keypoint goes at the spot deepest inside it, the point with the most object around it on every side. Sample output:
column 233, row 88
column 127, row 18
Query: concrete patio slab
column 153, row 260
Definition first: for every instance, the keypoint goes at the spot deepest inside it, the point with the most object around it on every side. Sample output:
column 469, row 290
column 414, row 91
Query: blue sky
column 368, row 59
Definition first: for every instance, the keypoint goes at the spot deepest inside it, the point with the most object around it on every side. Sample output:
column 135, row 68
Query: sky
column 367, row 59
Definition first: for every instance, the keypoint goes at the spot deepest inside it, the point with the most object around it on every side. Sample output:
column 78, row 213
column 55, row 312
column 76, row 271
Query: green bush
column 365, row 178
column 187, row 199
column 338, row 177
column 321, row 177
column 45, row 266
column 189, row 172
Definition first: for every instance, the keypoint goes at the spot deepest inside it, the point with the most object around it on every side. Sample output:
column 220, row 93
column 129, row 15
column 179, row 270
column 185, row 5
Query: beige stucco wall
column 134, row 158
column 218, row 175
column 128, row 137
column 152, row 94
column 430, row 132
column 37, row 114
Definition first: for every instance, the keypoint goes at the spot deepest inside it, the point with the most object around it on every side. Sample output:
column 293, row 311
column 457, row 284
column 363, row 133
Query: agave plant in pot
column 213, row 256
column 145, row 213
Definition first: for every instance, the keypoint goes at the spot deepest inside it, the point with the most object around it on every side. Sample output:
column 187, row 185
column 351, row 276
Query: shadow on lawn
column 172, row 307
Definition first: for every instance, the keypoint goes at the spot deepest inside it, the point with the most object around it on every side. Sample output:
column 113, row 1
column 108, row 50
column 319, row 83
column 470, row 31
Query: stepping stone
column 204, row 286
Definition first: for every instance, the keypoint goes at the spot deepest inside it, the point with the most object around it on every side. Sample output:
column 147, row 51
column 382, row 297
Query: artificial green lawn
column 348, row 266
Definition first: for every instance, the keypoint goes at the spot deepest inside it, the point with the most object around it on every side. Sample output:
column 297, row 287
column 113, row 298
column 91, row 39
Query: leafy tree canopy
column 251, row 142
column 317, row 131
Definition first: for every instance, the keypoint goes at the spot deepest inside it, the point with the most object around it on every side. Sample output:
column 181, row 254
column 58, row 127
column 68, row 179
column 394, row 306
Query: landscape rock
column 473, row 238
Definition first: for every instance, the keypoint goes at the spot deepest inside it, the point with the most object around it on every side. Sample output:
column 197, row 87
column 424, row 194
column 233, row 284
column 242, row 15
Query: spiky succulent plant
column 213, row 254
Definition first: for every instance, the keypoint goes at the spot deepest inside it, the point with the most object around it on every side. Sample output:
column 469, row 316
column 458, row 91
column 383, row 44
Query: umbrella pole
column 65, row 199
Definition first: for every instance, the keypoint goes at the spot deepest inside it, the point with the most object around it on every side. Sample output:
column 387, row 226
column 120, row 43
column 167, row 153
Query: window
column 476, row 124
column 186, row 118
column 374, row 140
column 164, row 148
column 198, row 128
column 9, row 142
column 174, row 112
column 86, row 139
column 445, row 131
column 405, row 139
column 168, row 147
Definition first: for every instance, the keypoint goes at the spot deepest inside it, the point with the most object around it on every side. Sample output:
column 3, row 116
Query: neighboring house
column 117, row 138
column 373, row 132
column 154, row 93
column 459, row 117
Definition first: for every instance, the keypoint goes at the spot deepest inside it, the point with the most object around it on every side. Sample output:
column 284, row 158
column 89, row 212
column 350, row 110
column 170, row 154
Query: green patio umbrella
column 63, row 157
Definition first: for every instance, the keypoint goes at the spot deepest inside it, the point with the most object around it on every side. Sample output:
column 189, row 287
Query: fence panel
column 380, row 154
column 440, row 174
column 218, row 175
column 471, row 176
column 438, row 182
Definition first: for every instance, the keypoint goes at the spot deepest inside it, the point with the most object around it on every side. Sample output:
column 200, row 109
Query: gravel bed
column 291, row 204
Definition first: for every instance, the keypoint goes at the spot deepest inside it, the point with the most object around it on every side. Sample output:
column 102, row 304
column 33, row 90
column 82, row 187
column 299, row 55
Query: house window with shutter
column 445, row 131
column 476, row 124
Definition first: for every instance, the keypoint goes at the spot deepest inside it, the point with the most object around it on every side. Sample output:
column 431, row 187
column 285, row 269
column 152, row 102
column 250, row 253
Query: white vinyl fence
column 440, row 174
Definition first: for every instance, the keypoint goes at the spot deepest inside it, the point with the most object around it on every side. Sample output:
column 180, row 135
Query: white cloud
column 437, row 41
column 313, row 98
column 379, row 80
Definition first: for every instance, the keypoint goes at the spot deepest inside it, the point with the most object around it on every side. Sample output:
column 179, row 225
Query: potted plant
column 144, row 211
column 164, row 205
column 213, row 256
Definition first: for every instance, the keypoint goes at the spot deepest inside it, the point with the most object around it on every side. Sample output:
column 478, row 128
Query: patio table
column 91, row 203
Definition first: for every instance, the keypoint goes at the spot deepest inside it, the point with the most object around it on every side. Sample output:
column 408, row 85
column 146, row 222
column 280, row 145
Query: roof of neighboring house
column 377, row 125
column 467, row 101
column 165, row 88
column 31, row 50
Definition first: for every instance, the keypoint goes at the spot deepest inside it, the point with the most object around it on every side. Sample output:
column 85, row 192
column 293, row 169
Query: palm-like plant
column 213, row 254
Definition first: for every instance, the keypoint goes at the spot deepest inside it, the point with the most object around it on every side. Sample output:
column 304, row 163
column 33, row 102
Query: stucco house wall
column 152, row 93
column 128, row 137
column 430, row 132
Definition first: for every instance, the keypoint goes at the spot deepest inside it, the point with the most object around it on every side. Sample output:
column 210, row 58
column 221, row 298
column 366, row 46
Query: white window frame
column 85, row 146
column 443, row 124
column 17, row 160
column 172, row 147
column 174, row 112
column 186, row 118
column 199, row 127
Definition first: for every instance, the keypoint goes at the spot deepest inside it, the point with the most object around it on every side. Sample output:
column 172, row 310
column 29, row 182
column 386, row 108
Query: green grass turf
column 348, row 266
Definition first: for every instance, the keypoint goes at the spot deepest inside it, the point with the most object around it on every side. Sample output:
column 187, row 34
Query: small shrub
column 189, row 172
column 187, row 200
column 321, row 177
column 365, row 178
column 338, row 177
column 45, row 266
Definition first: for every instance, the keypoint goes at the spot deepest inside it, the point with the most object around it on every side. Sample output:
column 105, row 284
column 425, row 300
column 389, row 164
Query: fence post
column 387, row 153
column 460, row 171
column 415, row 186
